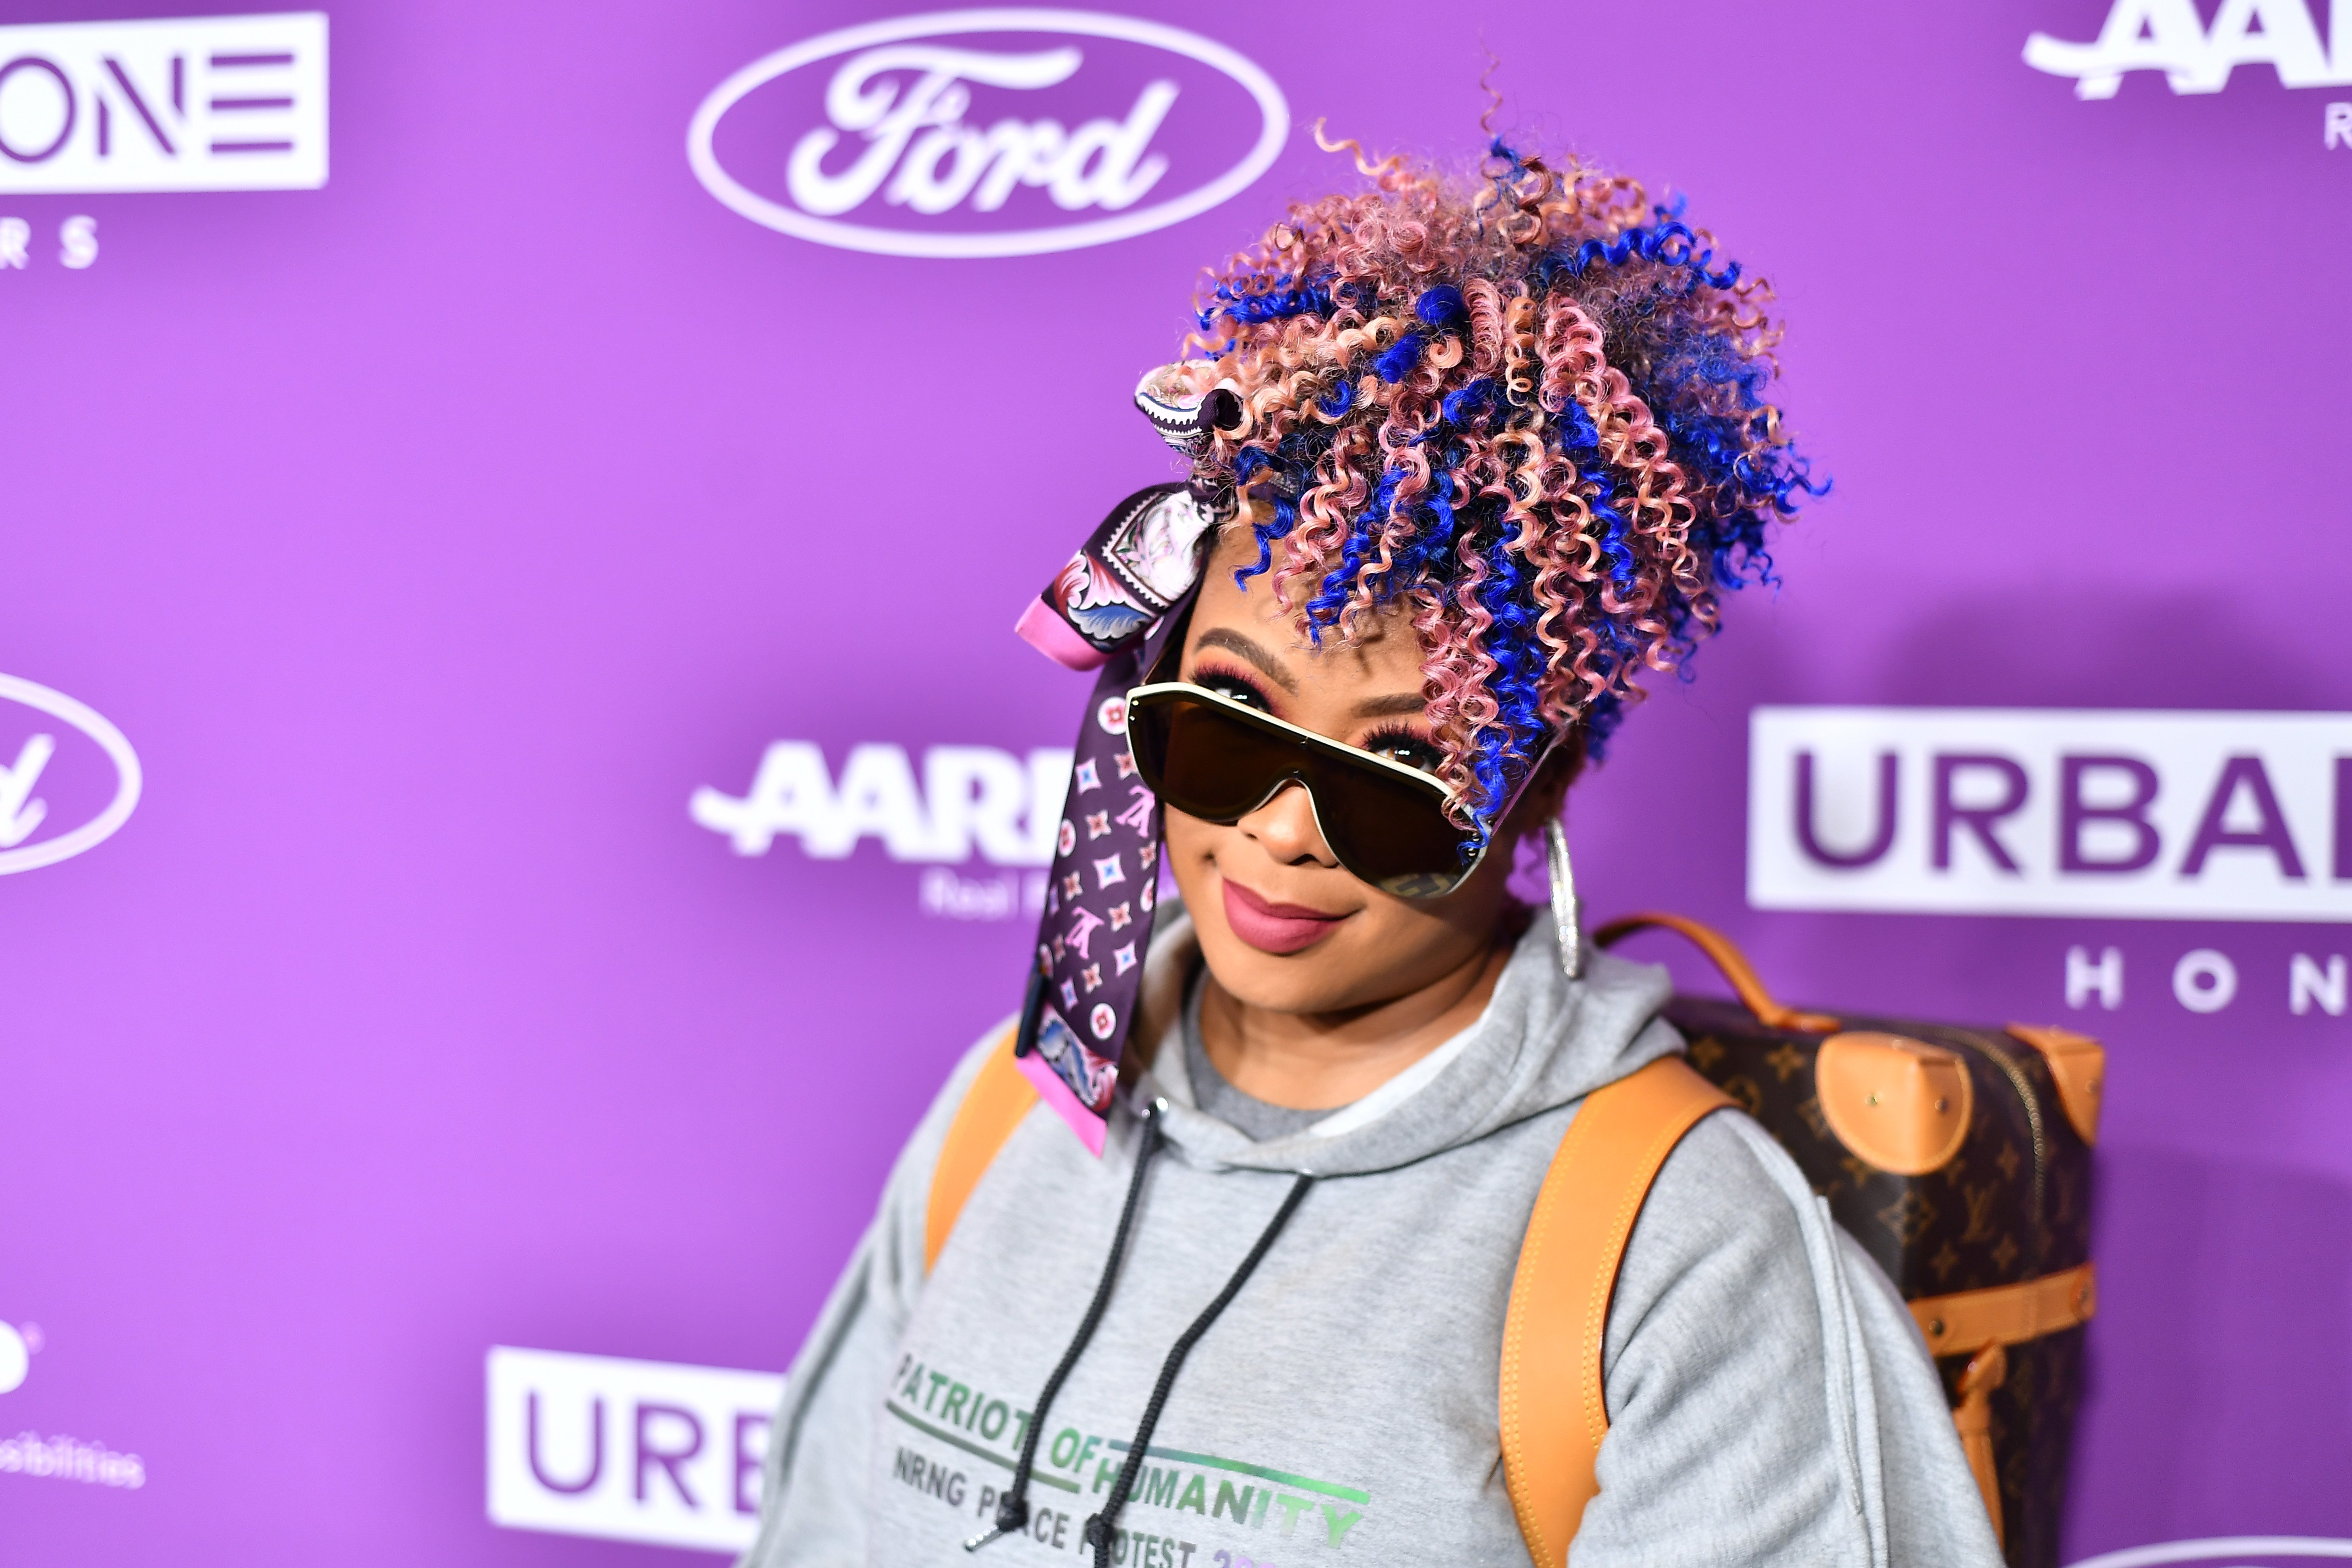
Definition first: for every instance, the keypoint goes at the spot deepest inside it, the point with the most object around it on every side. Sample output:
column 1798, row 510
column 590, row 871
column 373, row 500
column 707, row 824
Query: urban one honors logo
column 630, row 1451
column 193, row 103
column 2168, row 35
column 67, row 778
column 2052, row 812
column 987, row 133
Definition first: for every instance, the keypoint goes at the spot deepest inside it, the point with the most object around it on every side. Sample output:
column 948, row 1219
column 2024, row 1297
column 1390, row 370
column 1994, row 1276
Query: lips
column 1274, row 928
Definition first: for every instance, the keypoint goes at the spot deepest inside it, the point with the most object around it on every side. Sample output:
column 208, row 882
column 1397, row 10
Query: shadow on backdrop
column 2220, row 1364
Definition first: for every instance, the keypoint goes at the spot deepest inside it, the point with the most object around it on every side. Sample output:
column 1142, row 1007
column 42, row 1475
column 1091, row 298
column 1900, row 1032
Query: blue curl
column 1283, row 296
column 1454, row 404
column 1440, row 306
column 1665, row 241
column 1503, row 752
column 1397, row 362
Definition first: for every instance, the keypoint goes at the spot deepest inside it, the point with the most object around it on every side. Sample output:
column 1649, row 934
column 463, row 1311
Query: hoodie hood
column 1543, row 1041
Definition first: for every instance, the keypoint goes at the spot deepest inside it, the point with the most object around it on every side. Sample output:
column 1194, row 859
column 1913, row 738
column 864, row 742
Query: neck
column 1316, row 1061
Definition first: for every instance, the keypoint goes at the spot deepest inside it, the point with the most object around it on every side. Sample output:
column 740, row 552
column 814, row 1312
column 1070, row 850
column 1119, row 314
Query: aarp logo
column 971, row 798
column 993, row 132
column 2168, row 35
column 67, row 777
column 968, row 799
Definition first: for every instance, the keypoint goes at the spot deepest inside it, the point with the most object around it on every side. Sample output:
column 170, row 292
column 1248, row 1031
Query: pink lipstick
column 1274, row 928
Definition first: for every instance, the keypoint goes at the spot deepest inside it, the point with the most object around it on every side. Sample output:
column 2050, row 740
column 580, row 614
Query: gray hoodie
column 1770, row 1399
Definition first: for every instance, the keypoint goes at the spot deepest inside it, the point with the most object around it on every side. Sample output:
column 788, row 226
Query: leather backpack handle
column 1726, row 957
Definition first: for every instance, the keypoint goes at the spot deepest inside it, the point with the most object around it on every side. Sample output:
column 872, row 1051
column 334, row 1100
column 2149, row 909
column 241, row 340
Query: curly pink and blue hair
column 1530, row 409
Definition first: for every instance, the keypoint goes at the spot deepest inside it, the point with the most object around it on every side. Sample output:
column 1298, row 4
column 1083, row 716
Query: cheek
column 1192, row 850
column 1192, row 845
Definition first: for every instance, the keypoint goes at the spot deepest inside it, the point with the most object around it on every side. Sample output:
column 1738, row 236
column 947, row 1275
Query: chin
column 1329, row 976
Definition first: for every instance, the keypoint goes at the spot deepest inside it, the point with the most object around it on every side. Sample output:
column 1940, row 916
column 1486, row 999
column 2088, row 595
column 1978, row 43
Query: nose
column 1284, row 828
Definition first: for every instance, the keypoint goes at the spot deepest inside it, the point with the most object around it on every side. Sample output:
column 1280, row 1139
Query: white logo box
column 188, row 103
column 628, row 1450
column 2033, row 811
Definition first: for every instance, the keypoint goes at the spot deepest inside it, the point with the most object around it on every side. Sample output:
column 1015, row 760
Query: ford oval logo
column 67, row 778
column 987, row 133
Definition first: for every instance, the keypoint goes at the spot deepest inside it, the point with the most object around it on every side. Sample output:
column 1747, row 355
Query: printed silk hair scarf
column 1114, row 607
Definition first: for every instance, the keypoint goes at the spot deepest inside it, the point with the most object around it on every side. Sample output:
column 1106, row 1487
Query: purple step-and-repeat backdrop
column 512, row 519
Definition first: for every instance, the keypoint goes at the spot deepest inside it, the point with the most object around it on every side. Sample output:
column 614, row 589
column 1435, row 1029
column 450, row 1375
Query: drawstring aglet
column 1011, row 1514
column 1012, row 1507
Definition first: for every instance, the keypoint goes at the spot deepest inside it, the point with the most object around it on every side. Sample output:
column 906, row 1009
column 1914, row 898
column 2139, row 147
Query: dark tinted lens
column 1204, row 761
column 1388, row 831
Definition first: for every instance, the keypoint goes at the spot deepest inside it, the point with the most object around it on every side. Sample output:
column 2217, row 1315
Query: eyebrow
column 1407, row 704
column 1233, row 642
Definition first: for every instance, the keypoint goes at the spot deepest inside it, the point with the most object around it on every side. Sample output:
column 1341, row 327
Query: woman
column 1466, row 458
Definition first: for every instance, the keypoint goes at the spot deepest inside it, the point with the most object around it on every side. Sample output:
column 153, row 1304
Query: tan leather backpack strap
column 993, row 1107
column 1725, row 955
column 1972, row 1416
column 1554, row 1413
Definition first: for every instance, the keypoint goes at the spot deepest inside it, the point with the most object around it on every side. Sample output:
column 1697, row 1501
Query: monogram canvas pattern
column 1099, row 904
column 2012, row 1205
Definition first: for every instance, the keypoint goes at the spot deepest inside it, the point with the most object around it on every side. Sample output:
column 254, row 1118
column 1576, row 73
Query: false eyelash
column 1396, row 736
column 1209, row 675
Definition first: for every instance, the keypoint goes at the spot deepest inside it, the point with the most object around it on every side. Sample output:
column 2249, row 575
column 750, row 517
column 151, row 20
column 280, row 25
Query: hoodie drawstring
column 1012, row 1507
column 1100, row 1527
